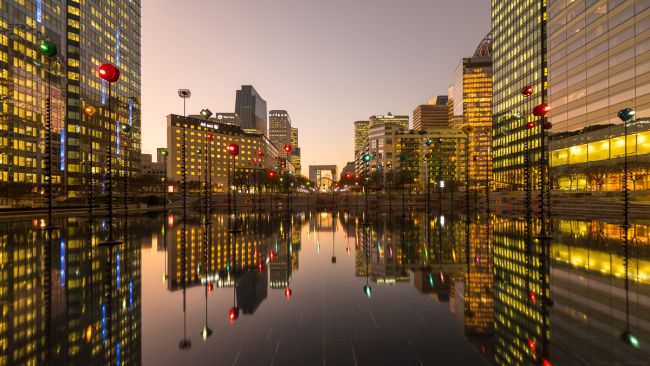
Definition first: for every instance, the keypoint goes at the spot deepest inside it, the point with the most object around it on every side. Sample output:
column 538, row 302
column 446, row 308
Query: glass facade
column 519, row 60
column 86, row 34
column 598, row 64
column 251, row 108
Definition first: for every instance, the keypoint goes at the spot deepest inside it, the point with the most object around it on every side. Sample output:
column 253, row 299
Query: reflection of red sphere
column 530, row 125
column 548, row 125
column 287, row 293
column 109, row 73
column 475, row 157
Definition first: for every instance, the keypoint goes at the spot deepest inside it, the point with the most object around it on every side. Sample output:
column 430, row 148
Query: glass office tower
column 87, row 34
column 519, row 60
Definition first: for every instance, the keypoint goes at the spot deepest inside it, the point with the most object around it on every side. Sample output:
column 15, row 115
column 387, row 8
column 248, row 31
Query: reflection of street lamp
column 110, row 74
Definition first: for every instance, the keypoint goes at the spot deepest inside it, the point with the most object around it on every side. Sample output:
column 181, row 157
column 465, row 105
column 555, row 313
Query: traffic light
column 532, row 296
column 347, row 175
column 272, row 174
column 367, row 158
column 287, row 148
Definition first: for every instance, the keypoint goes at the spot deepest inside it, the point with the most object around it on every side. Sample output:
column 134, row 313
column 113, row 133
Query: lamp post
column 89, row 111
column 110, row 74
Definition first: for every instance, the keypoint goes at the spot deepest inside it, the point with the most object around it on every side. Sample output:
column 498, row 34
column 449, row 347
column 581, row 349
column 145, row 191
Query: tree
column 637, row 172
column 599, row 176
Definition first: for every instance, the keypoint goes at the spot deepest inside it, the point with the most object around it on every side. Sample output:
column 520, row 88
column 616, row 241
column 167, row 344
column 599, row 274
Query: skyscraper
column 251, row 108
column 361, row 131
column 519, row 60
column 86, row 34
column 435, row 114
column 280, row 129
column 472, row 109
column 294, row 136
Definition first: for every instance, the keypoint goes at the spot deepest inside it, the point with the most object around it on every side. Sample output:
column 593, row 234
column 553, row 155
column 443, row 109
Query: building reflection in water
column 66, row 300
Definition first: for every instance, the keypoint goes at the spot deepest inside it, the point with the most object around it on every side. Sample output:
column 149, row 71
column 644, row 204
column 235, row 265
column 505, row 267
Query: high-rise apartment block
column 86, row 35
column 251, row 109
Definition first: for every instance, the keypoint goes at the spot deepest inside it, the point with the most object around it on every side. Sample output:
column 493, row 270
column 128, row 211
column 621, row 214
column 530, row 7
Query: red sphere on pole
column 541, row 110
column 233, row 149
column 109, row 73
column 530, row 125
column 548, row 125
column 209, row 136
column 260, row 153
column 527, row 90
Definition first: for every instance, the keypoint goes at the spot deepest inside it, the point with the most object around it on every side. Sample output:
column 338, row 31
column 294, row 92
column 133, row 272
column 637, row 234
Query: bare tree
column 599, row 175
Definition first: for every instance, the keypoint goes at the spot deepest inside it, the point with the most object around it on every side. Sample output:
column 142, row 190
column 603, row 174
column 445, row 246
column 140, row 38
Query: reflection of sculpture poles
column 333, row 237
column 627, row 337
column 366, row 159
column 287, row 290
column 185, row 343
column 233, row 151
column 110, row 74
column 367, row 289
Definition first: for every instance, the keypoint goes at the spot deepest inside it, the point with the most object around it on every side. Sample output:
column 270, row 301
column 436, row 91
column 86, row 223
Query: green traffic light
column 366, row 157
column 47, row 48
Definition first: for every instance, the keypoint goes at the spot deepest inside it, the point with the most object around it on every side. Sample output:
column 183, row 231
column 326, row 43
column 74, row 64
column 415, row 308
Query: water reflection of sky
column 440, row 291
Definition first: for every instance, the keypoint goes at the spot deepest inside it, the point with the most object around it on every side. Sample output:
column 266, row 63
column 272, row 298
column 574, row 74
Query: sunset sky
column 328, row 63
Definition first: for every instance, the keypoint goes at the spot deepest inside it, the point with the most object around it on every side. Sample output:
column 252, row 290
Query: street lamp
column 110, row 74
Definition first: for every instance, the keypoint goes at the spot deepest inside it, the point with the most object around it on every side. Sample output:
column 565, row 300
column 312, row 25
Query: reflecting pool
column 316, row 288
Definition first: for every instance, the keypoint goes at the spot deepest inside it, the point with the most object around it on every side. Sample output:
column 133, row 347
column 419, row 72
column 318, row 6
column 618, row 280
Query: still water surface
column 323, row 288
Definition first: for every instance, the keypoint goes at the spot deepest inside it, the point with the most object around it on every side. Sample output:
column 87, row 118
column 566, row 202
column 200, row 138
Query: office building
column 519, row 61
column 361, row 130
column 280, row 129
column 294, row 136
column 251, row 109
column 246, row 163
column 105, row 33
column 472, row 109
column 598, row 64
column 402, row 121
column 435, row 114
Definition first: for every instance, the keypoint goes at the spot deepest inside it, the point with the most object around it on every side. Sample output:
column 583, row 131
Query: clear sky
column 327, row 62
